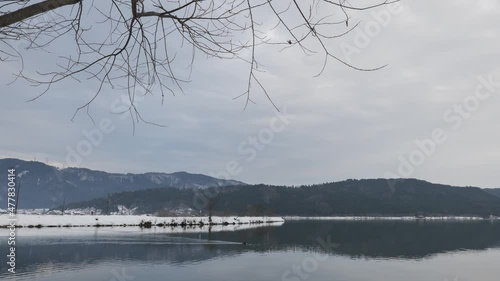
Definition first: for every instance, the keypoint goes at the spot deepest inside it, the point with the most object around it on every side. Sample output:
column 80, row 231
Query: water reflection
column 374, row 239
column 369, row 240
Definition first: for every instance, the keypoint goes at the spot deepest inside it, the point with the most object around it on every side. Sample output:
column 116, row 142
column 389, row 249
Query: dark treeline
column 351, row 197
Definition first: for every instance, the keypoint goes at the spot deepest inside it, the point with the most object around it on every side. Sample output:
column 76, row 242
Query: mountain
column 494, row 191
column 351, row 197
column 44, row 186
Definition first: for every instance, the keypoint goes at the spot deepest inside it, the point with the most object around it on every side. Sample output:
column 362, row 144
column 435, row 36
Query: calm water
column 306, row 250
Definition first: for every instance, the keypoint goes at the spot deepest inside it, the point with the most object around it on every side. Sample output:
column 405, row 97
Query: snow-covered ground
column 122, row 210
column 25, row 220
column 118, row 230
column 408, row 218
column 34, row 220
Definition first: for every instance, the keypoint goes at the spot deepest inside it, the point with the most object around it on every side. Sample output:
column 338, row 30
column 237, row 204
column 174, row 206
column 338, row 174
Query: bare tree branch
column 33, row 10
column 135, row 45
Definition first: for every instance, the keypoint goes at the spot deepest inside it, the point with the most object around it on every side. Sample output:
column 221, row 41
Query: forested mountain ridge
column 45, row 186
column 493, row 191
column 350, row 197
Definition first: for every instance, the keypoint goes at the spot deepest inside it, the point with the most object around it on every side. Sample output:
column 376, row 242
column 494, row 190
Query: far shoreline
column 392, row 218
column 148, row 221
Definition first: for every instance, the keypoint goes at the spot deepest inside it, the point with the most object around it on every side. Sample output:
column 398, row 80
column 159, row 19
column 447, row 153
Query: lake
column 296, row 250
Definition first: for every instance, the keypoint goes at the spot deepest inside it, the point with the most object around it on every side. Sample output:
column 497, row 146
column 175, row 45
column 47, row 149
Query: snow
column 27, row 220
column 407, row 218
column 121, row 177
column 69, row 183
column 84, row 176
column 158, row 178
column 21, row 174
column 119, row 230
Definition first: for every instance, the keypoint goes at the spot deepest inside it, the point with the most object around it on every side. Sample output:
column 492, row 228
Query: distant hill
column 494, row 191
column 44, row 186
column 351, row 197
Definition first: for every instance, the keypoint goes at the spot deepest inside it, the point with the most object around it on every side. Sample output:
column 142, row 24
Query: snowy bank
column 407, row 218
column 22, row 220
column 127, row 231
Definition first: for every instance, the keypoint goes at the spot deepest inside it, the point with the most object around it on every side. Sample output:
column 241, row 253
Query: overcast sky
column 343, row 124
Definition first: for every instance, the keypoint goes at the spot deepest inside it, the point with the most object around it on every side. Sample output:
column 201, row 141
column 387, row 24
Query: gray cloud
column 350, row 124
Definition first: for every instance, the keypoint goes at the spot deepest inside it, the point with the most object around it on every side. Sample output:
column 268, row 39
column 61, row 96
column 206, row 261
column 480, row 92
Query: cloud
column 351, row 124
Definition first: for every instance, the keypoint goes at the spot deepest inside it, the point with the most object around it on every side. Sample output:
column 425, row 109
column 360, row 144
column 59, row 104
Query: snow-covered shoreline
column 404, row 218
column 120, row 230
column 38, row 221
